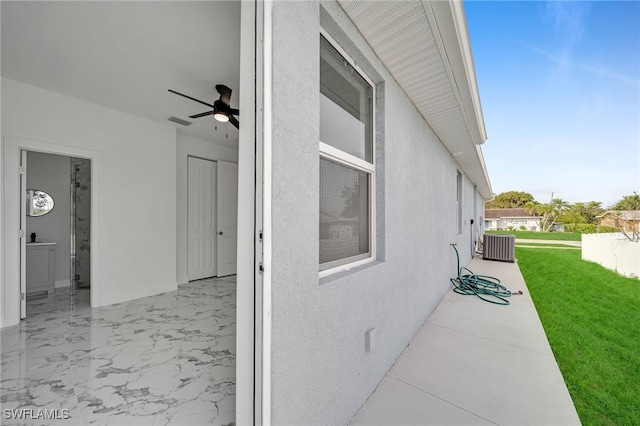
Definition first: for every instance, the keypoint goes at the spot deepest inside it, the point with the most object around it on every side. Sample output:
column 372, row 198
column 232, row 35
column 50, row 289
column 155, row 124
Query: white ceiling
column 126, row 55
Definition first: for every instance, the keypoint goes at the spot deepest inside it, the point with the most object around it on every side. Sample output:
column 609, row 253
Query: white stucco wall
column 321, row 372
column 613, row 251
column 516, row 223
column 201, row 149
column 135, row 225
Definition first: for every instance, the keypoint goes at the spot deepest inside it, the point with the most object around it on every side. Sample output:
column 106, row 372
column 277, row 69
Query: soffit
column 424, row 50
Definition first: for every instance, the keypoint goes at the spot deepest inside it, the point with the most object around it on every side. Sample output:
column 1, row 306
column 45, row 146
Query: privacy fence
column 613, row 251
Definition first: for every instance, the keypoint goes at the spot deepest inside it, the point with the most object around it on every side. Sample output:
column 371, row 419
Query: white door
column 201, row 223
column 23, row 234
column 227, row 218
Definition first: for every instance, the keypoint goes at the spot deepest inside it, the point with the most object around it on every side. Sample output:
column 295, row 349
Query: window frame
column 340, row 157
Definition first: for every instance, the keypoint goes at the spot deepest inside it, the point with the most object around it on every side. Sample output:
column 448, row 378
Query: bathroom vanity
column 41, row 267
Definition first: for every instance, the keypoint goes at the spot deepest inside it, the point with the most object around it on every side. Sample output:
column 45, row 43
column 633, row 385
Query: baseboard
column 62, row 283
column 183, row 280
column 110, row 299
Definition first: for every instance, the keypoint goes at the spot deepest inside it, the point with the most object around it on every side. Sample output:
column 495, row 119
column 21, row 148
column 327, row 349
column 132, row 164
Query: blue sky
column 560, row 89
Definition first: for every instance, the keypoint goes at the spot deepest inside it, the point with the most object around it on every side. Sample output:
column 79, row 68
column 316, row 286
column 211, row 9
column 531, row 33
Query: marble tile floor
column 158, row 360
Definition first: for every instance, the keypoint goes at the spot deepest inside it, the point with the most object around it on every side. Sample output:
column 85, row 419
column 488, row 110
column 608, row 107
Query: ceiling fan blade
column 202, row 114
column 234, row 111
column 234, row 121
column 189, row 97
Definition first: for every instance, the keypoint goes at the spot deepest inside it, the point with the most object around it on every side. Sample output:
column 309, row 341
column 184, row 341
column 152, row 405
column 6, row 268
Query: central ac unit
column 499, row 247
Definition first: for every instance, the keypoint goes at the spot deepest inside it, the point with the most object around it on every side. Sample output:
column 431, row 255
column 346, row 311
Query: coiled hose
column 485, row 287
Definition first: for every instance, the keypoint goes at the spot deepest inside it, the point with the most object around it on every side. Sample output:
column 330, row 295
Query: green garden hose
column 485, row 287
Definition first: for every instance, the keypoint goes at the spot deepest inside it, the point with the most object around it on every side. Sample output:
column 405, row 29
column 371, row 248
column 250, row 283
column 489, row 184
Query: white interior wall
column 135, row 182
column 195, row 148
column 52, row 174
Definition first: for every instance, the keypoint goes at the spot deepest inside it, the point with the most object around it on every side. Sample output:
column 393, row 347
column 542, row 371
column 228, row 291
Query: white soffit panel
column 401, row 35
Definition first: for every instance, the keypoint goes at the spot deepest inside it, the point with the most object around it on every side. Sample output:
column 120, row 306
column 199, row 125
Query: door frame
column 12, row 216
column 24, row 167
column 253, row 326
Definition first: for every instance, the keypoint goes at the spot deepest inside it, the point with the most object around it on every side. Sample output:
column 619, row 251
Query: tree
column 509, row 200
column 628, row 212
column 582, row 213
column 548, row 212
column 628, row 202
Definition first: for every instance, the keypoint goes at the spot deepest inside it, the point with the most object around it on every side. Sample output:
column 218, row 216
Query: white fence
column 613, row 251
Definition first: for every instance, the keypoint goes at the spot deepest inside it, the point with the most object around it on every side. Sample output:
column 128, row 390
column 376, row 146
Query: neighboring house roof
column 507, row 213
column 622, row 214
column 425, row 46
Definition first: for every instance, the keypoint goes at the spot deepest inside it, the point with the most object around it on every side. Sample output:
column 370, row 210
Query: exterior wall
column 609, row 221
column 615, row 222
column 613, row 251
column 516, row 223
column 196, row 148
column 137, row 239
column 321, row 372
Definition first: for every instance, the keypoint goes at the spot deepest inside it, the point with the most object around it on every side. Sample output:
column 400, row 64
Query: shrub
column 587, row 228
column 605, row 229
column 580, row 228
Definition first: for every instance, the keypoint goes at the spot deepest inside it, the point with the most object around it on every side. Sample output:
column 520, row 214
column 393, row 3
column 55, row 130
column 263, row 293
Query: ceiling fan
column 220, row 109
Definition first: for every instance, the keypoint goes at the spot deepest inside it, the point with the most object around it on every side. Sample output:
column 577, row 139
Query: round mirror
column 39, row 203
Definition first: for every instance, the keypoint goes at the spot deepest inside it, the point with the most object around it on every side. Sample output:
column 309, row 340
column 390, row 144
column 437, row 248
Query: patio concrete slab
column 474, row 362
column 398, row 403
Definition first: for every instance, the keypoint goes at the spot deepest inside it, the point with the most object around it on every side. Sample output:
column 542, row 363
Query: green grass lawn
column 543, row 245
column 531, row 235
column 592, row 319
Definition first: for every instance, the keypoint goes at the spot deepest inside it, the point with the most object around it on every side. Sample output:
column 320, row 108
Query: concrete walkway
column 474, row 362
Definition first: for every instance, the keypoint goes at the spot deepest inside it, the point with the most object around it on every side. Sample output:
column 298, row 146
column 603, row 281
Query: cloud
column 602, row 72
column 568, row 20
column 564, row 61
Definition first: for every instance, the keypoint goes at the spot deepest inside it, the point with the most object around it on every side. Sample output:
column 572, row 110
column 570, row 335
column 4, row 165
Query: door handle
column 220, row 233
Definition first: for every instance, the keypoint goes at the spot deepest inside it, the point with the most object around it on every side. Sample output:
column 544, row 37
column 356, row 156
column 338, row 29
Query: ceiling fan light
column 221, row 116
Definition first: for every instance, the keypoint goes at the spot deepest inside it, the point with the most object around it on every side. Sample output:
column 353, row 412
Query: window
column 347, row 169
column 459, row 201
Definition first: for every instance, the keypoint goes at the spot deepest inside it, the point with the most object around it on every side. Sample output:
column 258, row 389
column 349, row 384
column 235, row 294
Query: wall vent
column 180, row 121
column 499, row 247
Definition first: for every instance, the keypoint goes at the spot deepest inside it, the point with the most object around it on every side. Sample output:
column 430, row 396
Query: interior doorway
column 80, row 261
column 56, row 219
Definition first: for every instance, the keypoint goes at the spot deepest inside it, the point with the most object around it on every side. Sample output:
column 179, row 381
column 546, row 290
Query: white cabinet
column 41, row 273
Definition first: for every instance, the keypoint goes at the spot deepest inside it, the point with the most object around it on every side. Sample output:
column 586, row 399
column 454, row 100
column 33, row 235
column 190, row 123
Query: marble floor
column 164, row 359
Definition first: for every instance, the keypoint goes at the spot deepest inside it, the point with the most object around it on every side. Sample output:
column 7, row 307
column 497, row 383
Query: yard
column 532, row 235
column 591, row 318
